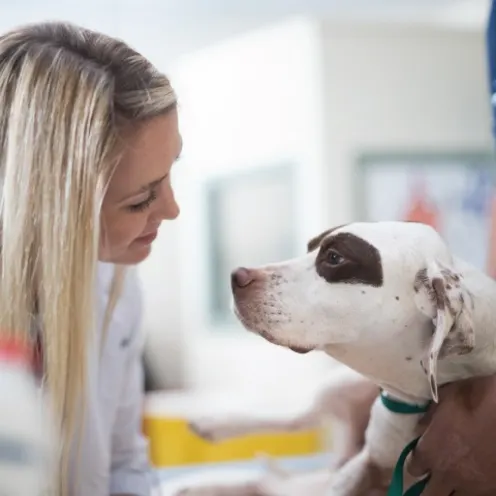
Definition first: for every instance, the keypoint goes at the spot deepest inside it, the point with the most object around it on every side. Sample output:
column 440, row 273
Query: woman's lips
column 147, row 238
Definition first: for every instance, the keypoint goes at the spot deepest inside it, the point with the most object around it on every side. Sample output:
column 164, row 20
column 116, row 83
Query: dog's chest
column 388, row 433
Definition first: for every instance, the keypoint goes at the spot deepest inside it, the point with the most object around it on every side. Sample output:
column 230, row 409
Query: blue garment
column 491, row 60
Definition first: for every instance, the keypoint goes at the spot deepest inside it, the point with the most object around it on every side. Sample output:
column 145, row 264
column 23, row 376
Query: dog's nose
column 241, row 277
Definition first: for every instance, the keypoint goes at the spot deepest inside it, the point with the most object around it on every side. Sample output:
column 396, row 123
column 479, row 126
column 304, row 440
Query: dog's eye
column 334, row 258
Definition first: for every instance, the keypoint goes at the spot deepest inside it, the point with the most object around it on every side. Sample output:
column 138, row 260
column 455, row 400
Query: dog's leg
column 346, row 399
column 220, row 428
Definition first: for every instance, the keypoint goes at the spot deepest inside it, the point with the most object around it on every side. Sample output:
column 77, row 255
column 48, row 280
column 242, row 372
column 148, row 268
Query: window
column 452, row 192
column 251, row 221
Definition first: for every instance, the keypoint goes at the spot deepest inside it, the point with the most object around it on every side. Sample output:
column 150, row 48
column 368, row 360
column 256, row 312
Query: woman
column 88, row 136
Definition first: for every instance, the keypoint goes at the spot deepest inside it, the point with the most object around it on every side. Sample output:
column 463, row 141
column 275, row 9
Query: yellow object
column 172, row 444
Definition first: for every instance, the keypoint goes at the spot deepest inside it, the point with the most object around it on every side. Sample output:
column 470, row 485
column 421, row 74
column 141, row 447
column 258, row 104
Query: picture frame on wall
column 249, row 216
column 453, row 192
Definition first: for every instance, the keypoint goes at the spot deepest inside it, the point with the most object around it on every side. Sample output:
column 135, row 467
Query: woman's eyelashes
column 143, row 205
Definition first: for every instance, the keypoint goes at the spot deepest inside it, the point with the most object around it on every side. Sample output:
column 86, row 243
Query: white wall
column 321, row 94
column 399, row 88
column 252, row 102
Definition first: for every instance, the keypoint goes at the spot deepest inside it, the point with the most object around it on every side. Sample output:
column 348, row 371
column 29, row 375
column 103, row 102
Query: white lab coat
column 113, row 457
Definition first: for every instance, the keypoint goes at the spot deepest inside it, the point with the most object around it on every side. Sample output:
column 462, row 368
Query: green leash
column 396, row 486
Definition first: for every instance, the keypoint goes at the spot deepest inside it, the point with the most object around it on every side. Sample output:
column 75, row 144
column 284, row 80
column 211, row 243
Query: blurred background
column 296, row 115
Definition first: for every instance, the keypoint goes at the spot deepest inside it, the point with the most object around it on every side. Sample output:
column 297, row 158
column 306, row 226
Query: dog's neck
column 403, row 379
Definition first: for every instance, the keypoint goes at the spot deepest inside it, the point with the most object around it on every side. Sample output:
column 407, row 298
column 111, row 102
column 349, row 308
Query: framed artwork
column 250, row 218
column 453, row 192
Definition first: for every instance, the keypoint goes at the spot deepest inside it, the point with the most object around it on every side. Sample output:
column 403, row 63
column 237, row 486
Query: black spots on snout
column 276, row 279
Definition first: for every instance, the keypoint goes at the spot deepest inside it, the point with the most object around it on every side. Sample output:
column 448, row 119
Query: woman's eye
column 139, row 207
column 334, row 258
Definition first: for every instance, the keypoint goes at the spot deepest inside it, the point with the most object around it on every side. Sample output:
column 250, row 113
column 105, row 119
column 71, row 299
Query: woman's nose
column 173, row 209
column 169, row 208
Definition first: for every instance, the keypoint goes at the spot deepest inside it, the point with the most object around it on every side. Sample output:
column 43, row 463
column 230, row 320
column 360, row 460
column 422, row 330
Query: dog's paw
column 206, row 428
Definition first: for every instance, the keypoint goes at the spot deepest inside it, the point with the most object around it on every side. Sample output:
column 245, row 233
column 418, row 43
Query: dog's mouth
column 301, row 350
column 268, row 337
column 266, row 334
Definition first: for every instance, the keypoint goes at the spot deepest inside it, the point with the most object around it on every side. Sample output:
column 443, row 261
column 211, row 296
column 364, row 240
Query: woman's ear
column 441, row 294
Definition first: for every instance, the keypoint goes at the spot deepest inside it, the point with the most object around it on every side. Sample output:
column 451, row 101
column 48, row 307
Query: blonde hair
column 66, row 94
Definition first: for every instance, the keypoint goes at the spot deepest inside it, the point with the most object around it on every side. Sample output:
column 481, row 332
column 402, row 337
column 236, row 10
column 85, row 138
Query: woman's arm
column 458, row 448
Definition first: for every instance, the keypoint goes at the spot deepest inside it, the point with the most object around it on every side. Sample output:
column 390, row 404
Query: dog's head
column 367, row 283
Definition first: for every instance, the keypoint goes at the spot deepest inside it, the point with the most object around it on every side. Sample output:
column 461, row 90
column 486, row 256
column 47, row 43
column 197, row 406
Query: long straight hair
column 66, row 93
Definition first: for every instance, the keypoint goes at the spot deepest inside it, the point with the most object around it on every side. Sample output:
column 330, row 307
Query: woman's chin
column 135, row 254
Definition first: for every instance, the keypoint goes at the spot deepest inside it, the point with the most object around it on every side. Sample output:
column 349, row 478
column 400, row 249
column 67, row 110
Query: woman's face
column 140, row 195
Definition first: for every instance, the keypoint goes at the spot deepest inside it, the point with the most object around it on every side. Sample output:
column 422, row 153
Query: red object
column 15, row 350
column 420, row 208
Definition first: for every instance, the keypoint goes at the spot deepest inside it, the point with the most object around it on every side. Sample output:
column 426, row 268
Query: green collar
column 396, row 486
column 397, row 406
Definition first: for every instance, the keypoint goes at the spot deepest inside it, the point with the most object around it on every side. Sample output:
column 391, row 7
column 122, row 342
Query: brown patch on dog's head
column 314, row 243
column 348, row 258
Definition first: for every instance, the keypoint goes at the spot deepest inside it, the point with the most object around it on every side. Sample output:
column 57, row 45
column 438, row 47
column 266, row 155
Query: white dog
column 389, row 300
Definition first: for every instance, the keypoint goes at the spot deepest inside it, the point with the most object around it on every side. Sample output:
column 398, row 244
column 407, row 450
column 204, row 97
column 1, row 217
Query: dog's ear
column 442, row 295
